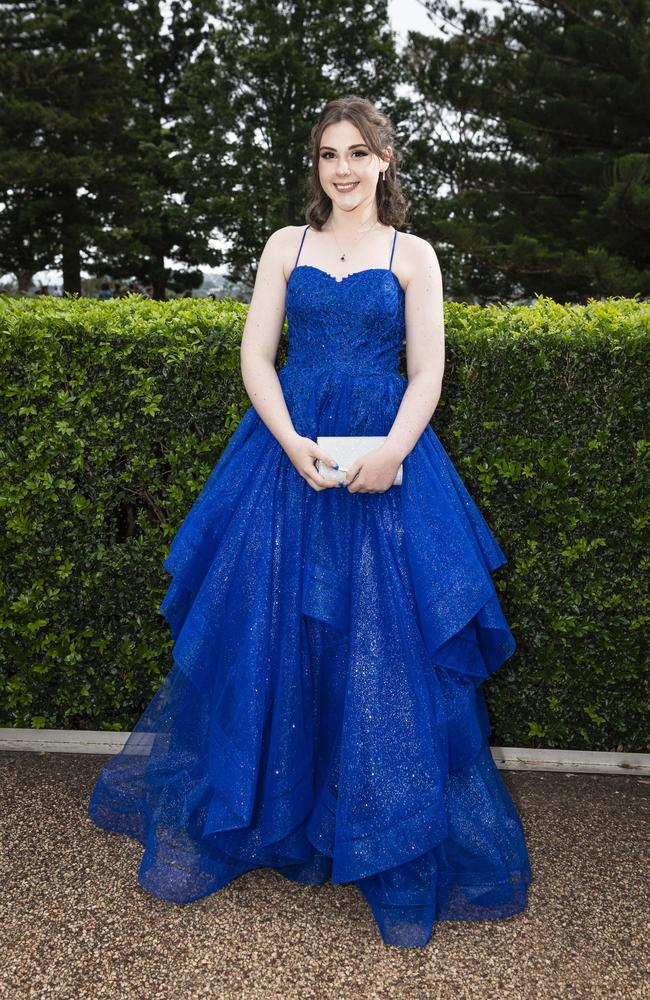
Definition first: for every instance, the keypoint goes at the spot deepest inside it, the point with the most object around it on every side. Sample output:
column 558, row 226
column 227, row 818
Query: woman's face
column 347, row 169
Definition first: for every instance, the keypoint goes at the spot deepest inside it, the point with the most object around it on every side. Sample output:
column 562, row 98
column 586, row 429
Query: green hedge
column 114, row 413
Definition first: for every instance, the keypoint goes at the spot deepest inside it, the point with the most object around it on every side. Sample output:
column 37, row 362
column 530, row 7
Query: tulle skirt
column 324, row 714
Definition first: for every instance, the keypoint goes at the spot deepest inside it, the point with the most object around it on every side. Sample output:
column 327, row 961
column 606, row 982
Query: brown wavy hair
column 378, row 132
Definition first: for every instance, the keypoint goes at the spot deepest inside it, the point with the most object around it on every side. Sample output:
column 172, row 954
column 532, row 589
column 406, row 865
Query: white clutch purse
column 345, row 449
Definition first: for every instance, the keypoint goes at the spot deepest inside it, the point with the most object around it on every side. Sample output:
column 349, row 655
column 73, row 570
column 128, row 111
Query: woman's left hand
column 373, row 472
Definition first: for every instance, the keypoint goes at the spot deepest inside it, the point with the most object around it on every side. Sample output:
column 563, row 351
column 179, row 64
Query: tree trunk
column 70, row 243
column 24, row 280
column 158, row 276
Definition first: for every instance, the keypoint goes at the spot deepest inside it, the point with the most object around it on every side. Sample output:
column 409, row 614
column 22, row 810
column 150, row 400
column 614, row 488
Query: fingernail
column 335, row 465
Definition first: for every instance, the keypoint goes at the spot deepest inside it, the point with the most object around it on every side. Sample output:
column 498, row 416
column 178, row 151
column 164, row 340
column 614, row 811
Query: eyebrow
column 354, row 146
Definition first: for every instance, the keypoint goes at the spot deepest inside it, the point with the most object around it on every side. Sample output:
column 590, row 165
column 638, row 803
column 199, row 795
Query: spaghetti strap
column 301, row 243
column 390, row 266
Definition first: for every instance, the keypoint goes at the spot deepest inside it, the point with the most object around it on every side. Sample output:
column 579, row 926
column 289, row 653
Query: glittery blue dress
column 324, row 715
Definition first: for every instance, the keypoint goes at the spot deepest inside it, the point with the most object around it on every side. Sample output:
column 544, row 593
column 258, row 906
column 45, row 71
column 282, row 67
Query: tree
column 88, row 168
column 532, row 164
column 151, row 214
column 246, row 106
column 60, row 70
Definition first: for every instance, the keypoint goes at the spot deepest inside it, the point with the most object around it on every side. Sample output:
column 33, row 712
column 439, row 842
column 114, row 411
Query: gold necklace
column 343, row 254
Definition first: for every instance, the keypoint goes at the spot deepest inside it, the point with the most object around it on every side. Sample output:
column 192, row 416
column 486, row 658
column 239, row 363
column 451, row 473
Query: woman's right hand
column 303, row 453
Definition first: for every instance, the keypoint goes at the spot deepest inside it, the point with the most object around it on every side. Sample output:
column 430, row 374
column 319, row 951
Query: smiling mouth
column 343, row 188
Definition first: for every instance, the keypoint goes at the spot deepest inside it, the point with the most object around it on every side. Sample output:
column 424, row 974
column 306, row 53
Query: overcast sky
column 410, row 15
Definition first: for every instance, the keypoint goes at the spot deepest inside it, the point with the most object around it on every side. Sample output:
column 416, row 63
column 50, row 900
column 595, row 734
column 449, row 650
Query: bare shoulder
column 417, row 258
column 282, row 245
column 285, row 235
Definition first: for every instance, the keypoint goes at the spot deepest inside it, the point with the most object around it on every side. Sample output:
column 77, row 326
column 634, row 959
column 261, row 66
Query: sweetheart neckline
column 353, row 274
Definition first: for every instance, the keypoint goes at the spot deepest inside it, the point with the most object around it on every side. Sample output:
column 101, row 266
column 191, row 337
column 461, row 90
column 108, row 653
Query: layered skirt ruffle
column 324, row 713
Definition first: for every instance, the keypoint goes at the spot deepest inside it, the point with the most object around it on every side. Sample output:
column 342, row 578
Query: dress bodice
column 356, row 323
column 345, row 338
column 352, row 324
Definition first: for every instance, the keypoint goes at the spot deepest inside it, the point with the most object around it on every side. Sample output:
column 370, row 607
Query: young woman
column 324, row 714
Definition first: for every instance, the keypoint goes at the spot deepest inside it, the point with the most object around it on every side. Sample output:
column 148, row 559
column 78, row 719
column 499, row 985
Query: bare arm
column 425, row 351
column 259, row 348
column 260, row 340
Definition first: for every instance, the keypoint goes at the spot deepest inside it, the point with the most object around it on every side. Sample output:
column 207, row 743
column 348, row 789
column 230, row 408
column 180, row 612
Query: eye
column 326, row 155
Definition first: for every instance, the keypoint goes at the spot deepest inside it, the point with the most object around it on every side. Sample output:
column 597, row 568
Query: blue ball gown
column 324, row 715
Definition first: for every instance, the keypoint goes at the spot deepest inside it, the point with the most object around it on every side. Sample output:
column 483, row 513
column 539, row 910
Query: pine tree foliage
column 88, row 176
column 534, row 132
column 61, row 85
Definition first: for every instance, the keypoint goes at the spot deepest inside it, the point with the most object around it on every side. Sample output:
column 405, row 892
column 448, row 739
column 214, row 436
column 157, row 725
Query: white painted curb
column 506, row 758
column 578, row 761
